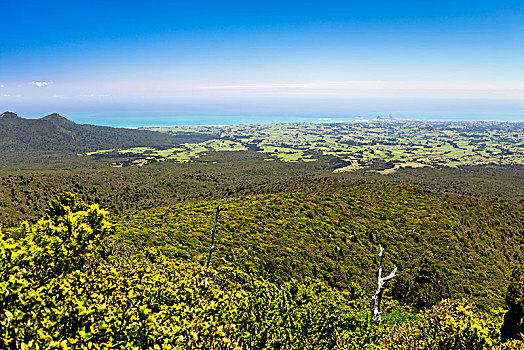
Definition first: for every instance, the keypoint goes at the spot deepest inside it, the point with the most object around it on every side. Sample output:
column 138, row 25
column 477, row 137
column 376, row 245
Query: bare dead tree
column 212, row 246
column 381, row 285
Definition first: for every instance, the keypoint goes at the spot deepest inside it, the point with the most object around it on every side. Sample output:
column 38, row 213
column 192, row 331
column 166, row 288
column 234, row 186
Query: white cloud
column 9, row 95
column 376, row 89
column 41, row 83
column 296, row 85
column 360, row 82
column 93, row 95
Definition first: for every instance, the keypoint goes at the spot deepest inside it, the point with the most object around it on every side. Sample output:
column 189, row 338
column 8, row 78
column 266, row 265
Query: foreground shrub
column 66, row 283
column 61, row 288
column 513, row 327
column 452, row 324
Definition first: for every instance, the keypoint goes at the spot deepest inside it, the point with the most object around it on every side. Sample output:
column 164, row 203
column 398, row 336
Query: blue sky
column 262, row 57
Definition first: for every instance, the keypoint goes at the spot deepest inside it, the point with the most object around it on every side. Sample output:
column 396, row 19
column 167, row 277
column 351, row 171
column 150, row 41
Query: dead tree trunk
column 381, row 285
column 212, row 246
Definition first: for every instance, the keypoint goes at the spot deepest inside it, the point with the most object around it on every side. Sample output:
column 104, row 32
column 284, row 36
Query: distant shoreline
column 363, row 121
column 135, row 120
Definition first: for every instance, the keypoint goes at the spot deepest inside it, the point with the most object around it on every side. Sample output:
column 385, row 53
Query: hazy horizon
column 137, row 119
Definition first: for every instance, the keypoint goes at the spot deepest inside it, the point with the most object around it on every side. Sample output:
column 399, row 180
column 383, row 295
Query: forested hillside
column 445, row 246
column 27, row 139
column 296, row 246
column 124, row 169
column 23, row 194
column 96, row 292
column 488, row 181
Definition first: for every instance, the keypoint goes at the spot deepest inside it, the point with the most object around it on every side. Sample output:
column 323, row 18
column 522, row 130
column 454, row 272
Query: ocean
column 134, row 119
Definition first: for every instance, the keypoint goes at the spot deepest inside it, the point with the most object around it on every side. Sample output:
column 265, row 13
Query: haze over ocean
column 144, row 119
column 132, row 63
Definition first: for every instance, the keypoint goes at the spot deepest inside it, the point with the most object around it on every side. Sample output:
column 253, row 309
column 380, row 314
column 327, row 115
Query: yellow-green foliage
column 64, row 241
column 444, row 246
column 452, row 324
column 58, row 291
column 66, row 283
column 513, row 327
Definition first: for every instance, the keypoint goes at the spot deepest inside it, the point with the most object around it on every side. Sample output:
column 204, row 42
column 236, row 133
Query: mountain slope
column 54, row 133
column 444, row 246
column 94, row 290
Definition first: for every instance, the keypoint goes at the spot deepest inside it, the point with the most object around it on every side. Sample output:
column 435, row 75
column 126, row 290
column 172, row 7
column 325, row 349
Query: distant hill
column 54, row 133
column 444, row 246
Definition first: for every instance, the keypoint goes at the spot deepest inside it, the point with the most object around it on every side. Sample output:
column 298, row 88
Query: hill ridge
column 55, row 117
column 447, row 245
column 56, row 133
column 9, row 115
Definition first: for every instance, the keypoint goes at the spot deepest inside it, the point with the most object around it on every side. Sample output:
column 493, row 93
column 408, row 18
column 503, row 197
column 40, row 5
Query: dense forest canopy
column 444, row 246
column 24, row 193
column 97, row 292
column 296, row 241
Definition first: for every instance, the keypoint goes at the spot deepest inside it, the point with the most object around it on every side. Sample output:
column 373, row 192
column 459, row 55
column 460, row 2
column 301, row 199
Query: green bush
column 452, row 324
column 66, row 283
column 513, row 327
column 60, row 290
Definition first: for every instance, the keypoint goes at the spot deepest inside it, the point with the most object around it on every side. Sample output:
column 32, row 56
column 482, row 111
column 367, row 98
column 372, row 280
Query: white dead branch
column 212, row 246
column 381, row 285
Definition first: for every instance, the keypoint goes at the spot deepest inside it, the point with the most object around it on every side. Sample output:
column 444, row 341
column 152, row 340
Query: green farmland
column 361, row 144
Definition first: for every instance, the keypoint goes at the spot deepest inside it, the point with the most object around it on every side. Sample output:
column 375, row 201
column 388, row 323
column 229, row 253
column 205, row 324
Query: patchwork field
column 362, row 145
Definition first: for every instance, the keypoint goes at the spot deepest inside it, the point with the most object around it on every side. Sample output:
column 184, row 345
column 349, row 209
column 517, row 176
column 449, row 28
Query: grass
column 435, row 144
